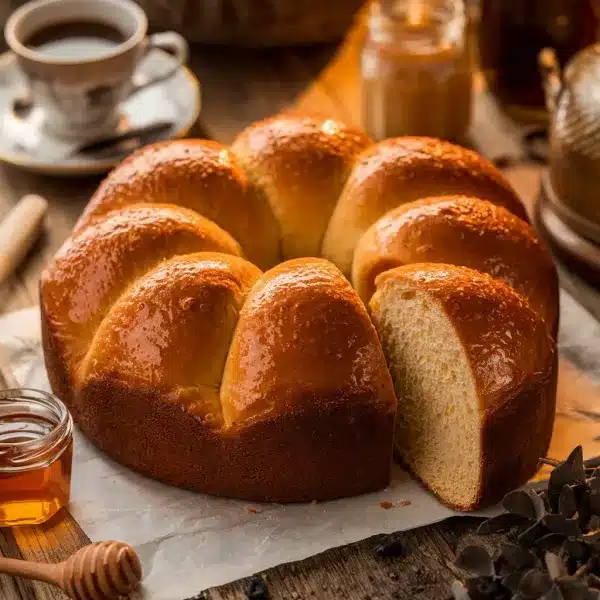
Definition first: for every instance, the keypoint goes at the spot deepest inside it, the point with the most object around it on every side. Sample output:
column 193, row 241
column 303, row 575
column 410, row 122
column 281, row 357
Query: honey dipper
column 100, row 571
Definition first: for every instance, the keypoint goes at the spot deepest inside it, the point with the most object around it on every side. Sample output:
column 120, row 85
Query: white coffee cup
column 81, row 96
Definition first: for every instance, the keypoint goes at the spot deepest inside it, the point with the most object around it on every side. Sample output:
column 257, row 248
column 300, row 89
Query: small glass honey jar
column 36, row 452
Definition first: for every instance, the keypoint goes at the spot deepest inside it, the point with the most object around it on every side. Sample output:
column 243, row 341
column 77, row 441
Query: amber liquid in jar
column 416, row 70
column 36, row 451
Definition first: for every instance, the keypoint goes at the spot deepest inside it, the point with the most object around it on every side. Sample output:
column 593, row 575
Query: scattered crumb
column 253, row 511
column 386, row 504
column 295, row 595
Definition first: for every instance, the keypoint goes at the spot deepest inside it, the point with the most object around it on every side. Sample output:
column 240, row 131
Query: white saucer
column 25, row 142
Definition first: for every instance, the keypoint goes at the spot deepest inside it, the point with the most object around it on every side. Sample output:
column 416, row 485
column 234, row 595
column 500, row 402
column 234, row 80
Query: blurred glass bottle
column 511, row 34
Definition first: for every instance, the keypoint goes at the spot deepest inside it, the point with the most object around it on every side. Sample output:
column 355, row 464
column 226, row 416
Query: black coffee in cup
column 75, row 40
column 81, row 60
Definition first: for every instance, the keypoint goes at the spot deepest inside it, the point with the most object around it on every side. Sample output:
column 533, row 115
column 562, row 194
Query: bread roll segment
column 304, row 341
column 462, row 231
column 202, row 175
column 171, row 330
column 474, row 370
column 301, row 165
column 95, row 266
column 401, row 170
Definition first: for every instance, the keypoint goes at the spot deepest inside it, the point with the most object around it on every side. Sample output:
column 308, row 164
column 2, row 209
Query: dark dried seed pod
column 502, row 523
column 517, row 557
column 533, row 533
column 392, row 546
column 475, row 560
column 575, row 460
column 525, row 503
column 559, row 524
column 549, row 542
column 573, row 588
column 576, row 549
column 487, row 588
column 535, row 583
column 256, row 588
column 512, row 580
column 567, row 502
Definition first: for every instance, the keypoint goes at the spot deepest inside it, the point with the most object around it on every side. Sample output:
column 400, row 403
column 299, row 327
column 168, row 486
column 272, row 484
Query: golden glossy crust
column 401, row 170
column 94, row 267
column 514, row 364
column 300, row 164
column 198, row 174
column 304, row 340
column 463, row 231
column 171, row 330
column 293, row 434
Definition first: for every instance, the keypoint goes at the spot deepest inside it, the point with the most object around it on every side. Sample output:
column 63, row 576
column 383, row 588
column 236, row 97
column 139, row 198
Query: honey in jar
column 416, row 70
column 36, row 450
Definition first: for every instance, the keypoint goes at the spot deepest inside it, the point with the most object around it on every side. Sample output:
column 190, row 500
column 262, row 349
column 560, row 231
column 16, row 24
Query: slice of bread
column 474, row 370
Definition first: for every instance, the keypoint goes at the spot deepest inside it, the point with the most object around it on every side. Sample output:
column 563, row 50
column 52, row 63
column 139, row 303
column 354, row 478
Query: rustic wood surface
column 239, row 88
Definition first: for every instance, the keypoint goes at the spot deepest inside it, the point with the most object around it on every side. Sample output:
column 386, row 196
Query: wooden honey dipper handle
column 100, row 571
column 18, row 230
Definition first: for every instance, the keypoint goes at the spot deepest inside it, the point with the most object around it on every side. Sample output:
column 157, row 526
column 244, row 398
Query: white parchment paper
column 188, row 541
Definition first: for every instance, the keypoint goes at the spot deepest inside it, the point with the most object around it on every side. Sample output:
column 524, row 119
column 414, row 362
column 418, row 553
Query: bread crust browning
column 325, row 437
column 202, row 175
column 514, row 364
column 334, row 451
column 462, row 231
column 300, row 164
column 401, row 170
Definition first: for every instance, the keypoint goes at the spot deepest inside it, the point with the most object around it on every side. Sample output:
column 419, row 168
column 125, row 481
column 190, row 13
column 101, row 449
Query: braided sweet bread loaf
column 180, row 358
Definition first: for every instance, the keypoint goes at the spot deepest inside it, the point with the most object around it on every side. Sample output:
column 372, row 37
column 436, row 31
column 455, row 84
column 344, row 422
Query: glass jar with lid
column 416, row 70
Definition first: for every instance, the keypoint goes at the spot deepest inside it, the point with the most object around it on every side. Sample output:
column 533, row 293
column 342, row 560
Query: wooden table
column 241, row 87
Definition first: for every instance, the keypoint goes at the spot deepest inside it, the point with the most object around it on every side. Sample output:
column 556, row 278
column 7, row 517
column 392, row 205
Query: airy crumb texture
column 438, row 420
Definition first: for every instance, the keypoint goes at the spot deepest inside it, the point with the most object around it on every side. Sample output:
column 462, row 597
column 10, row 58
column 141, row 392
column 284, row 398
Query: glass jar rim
column 31, row 454
column 456, row 8
column 394, row 28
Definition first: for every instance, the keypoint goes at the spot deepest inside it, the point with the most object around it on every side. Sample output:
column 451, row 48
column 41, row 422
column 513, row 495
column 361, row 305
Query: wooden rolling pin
column 100, row 571
column 19, row 230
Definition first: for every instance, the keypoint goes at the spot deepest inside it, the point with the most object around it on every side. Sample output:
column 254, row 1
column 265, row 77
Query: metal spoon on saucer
column 130, row 138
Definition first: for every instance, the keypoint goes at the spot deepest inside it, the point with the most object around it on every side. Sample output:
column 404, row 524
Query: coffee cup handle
column 171, row 42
